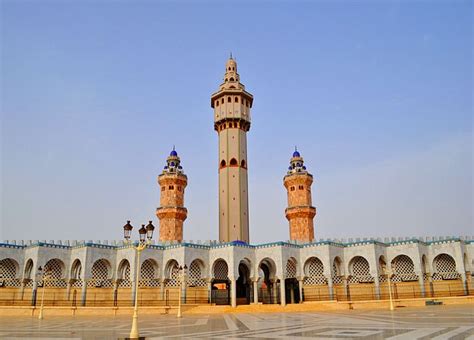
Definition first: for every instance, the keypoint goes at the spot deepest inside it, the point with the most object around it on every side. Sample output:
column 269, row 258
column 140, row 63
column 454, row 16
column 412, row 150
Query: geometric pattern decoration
column 76, row 274
column 100, row 275
column 336, row 272
column 291, row 269
column 53, row 271
column 194, row 275
column 403, row 269
column 445, row 268
column 27, row 274
column 221, row 270
column 148, row 274
column 8, row 273
column 313, row 271
column 360, row 270
column 124, row 275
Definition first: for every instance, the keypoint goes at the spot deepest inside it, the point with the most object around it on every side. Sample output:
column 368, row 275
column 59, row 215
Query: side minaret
column 232, row 106
column 300, row 212
column 172, row 212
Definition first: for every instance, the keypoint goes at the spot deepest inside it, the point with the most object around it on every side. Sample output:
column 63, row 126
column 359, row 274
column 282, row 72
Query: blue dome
column 166, row 166
column 173, row 153
column 172, row 164
column 296, row 154
column 289, row 168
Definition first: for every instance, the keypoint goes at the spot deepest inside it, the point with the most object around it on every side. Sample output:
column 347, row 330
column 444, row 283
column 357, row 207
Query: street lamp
column 145, row 234
column 182, row 278
column 43, row 275
column 388, row 272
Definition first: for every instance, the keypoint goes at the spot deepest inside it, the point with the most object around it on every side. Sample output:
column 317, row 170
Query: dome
column 296, row 154
column 173, row 153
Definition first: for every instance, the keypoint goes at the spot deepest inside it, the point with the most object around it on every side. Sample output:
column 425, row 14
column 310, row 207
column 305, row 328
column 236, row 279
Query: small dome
column 180, row 167
column 289, row 168
column 172, row 164
column 166, row 166
column 173, row 153
column 296, row 154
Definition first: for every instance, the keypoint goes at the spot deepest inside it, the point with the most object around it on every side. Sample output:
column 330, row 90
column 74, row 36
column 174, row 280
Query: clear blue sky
column 377, row 96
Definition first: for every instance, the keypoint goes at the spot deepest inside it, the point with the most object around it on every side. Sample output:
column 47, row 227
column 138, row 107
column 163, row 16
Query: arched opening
column 236, row 99
column 243, row 164
column 243, row 286
column 361, row 283
column 149, row 274
column 405, row 281
column 315, row 284
column 291, row 283
column 223, row 164
column 197, row 291
column 446, row 279
column 8, row 273
column 123, row 274
column 76, row 274
column 231, row 79
column 229, row 99
column 100, row 274
column 220, row 294
column 268, row 291
column 54, row 271
column 233, row 162
column 337, row 282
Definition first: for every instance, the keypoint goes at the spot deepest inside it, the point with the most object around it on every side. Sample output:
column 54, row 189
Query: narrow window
column 217, row 103
column 222, row 164
column 236, row 99
column 222, row 100
column 231, row 79
column 242, row 164
column 292, row 189
column 233, row 162
column 163, row 188
column 229, row 100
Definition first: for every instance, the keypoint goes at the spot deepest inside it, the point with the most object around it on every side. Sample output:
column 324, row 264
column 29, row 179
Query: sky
column 376, row 95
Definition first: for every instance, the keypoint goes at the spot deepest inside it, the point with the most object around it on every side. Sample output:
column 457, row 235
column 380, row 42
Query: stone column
column 468, row 282
column 33, row 293
column 84, row 293
column 300, row 289
column 421, row 282
column 464, row 283
column 330, row 288
column 275, row 291
column 209, row 290
column 292, row 293
column 162, row 289
column 68, row 289
column 282, row 292
column 233, row 292
column 347, row 291
column 255, row 290
column 430, row 283
column 377, row 285
column 22, row 288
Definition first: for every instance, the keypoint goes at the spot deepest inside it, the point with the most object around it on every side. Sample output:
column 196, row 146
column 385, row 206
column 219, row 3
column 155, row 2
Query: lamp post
column 182, row 275
column 146, row 234
column 388, row 271
column 43, row 275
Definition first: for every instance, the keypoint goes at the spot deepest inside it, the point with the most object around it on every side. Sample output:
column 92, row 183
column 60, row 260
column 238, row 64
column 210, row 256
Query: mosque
column 232, row 270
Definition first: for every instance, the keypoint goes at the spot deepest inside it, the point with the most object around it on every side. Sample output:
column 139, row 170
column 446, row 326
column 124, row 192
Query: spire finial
column 230, row 54
column 173, row 148
column 296, row 149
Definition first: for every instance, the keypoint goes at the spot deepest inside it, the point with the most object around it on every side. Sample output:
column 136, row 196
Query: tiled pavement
column 437, row 322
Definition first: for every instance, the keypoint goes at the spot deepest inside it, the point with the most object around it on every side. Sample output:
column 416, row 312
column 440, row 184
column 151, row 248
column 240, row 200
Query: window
column 247, row 104
column 171, row 187
column 229, row 100
column 217, row 103
column 242, row 164
column 292, row 189
column 236, row 99
column 231, row 79
column 233, row 162
column 222, row 101
column 163, row 188
column 223, row 164
column 300, row 187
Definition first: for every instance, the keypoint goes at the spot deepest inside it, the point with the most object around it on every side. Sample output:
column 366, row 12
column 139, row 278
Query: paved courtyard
column 437, row 322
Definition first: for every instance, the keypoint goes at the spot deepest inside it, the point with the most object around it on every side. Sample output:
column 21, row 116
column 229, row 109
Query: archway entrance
column 220, row 290
column 244, row 291
column 268, row 292
column 292, row 291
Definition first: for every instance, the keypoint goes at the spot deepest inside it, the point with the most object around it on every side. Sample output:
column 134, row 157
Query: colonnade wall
column 98, row 274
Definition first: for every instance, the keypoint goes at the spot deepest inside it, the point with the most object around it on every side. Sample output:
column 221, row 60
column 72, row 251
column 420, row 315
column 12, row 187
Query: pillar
column 255, row 291
column 68, row 289
column 468, row 282
column 330, row 287
column 347, row 291
column 292, row 293
column 233, row 292
column 209, row 290
column 430, row 282
column 33, row 293
column 162, row 289
column 275, row 291
column 377, row 285
column 300, row 289
column 282, row 292
column 421, row 282
column 22, row 289
column 84, row 293
column 464, row 283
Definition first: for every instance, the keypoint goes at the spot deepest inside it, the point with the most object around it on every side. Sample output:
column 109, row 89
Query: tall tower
column 172, row 212
column 232, row 106
column 300, row 212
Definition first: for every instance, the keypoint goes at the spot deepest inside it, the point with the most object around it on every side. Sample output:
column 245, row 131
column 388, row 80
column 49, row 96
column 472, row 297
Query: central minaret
column 231, row 106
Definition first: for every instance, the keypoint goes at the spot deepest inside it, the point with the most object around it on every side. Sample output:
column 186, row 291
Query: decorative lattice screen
column 221, row 270
column 76, row 274
column 53, row 269
column 314, row 272
column 291, row 269
column 194, row 275
column 360, row 270
column 148, row 274
column 174, row 276
column 27, row 273
column 100, row 274
column 403, row 269
column 336, row 272
column 124, row 275
column 445, row 268
column 8, row 273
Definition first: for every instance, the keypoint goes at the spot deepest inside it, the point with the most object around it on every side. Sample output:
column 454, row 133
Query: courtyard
column 433, row 322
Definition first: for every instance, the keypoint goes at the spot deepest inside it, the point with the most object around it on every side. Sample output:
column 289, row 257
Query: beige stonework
column 232, row 106
column 300, row 212
column 172, row 212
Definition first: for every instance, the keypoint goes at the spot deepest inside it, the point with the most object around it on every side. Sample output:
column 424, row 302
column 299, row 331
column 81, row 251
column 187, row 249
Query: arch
column 28, row 269
column 467, row 268
column 243, row 286
column 233, row 162
column 314, row 272
column 229, row 99
column 444, row 267
column 101, row 274
column 291, row 266
column 223, row 164
column 9, row 272
column 382, row 264
column 76, row 270
column 220, row 270
column 236, row 99
column 336, row 273
column 243, row 164
column 232, row 79
column 55, row 273
column 196, row 268
column 403, row 269
column 424, row 265
column 123, row 274
column 149, row 269
column 172, row 273
column 359, row 269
